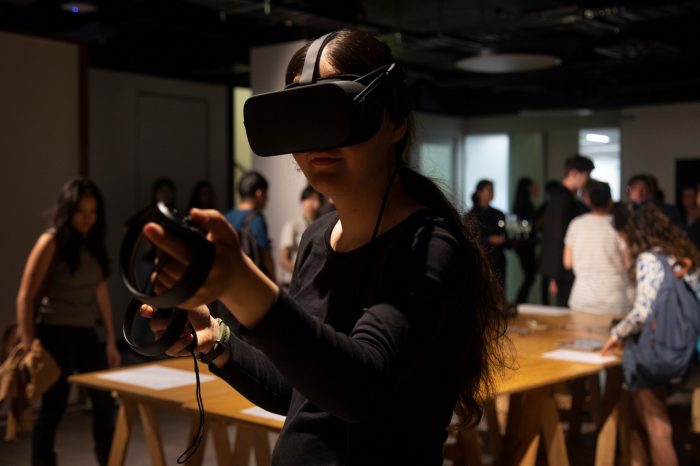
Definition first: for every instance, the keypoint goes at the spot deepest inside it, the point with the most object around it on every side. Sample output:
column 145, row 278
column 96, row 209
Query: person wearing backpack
column 249, row 221
column 660, row 331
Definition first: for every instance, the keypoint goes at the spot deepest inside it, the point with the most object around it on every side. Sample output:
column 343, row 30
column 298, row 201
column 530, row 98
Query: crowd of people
column 570, row 239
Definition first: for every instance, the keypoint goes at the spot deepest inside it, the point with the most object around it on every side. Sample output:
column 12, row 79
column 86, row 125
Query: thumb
column 215, row 224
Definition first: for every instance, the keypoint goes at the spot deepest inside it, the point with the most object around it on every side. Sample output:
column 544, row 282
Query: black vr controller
column 138, row 259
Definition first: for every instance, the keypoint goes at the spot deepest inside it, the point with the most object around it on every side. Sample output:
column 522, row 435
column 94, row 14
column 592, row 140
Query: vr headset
column 317, row 114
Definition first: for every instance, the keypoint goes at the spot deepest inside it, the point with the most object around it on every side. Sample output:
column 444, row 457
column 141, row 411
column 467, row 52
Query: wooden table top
column 175, row 396
column 533, row 335
column 230, row 407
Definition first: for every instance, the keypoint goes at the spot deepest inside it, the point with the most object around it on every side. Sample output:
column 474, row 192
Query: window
column 486, row 157
column 602, row 145
column 436, row 161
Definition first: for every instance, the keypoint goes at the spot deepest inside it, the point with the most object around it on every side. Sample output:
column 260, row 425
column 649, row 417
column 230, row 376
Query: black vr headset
column 317, row 114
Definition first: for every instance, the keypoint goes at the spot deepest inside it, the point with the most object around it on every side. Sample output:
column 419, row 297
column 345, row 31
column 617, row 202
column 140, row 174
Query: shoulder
column 648, row 264
column 319, row 227
column 429, row 238
column 46, row 243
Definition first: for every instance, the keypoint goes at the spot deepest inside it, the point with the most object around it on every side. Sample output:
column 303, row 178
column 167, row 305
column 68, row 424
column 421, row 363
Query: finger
column 166, row 243
column 165, row 279
column 173, row 271
column 147, row 311
column 179, row 348
column 214, row 223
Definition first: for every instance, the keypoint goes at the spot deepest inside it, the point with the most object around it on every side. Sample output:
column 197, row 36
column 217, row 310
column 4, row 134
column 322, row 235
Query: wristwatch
column 220, row 344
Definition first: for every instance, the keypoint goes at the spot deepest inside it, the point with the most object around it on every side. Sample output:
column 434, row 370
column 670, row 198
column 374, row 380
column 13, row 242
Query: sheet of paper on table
column 155, row 377
column 537, row 309
column 259, row 412
column 585, row 357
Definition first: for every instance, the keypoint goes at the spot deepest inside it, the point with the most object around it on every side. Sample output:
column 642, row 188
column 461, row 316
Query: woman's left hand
column 199, row 323
column 114, row 358
column 613, row 344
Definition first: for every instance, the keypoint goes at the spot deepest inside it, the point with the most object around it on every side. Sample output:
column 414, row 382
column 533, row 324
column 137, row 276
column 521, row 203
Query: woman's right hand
column 228, row 257
column 234, row 279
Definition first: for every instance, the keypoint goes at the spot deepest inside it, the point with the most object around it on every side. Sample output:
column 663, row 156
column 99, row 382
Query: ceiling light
column 601, row 138
column 79, row 7
column 508, row 62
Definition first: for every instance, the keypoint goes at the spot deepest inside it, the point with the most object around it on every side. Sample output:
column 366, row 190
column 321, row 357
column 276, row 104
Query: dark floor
column 74, row 441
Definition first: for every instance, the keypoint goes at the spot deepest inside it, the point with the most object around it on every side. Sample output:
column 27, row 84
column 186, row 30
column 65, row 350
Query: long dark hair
column 483, row 353
column 522, row 191
column 68, row 240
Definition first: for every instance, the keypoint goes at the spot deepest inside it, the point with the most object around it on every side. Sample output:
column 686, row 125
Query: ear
column 398, row 130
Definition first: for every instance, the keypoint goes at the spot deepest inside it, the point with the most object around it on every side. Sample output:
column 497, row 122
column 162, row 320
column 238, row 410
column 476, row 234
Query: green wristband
column 220, row 344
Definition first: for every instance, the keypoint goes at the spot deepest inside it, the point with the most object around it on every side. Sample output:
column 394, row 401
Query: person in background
column 648, row 232
column 690, row 213
column 203, row 196
column 596, row 254
column 248, row 219
column 550, row 187
column 164, row 191
column 327, row 205
column 643, row 188
column 290, row 236
column 524, row 210
column 62, row 295
column 492, row 227
column 563, row 206
column 392, row 301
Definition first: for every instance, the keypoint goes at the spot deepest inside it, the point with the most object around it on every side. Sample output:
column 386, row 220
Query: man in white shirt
column 292, row 231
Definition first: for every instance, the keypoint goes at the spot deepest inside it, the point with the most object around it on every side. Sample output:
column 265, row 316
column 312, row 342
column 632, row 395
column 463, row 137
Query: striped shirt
column 601, row 284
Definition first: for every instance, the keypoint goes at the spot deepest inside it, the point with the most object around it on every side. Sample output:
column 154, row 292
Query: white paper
column 585, row 357
column 259, row 412
column 543, row 310
column 155, row 377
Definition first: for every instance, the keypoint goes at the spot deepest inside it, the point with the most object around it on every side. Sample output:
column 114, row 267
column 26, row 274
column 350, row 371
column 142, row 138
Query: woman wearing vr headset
column 393, row 319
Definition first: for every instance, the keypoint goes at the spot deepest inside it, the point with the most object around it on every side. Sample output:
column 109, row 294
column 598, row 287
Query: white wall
column 40, row 145
column 268, row 65
column 654, row 137
column 142, row 128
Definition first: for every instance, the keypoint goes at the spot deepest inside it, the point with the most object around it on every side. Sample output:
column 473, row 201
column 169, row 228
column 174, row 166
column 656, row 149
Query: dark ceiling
column 613, row 53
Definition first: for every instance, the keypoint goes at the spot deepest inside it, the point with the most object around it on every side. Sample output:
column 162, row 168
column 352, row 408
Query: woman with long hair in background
column 62, row 295
column 651, row 238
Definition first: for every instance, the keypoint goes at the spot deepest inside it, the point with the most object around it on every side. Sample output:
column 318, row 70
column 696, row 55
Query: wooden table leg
column 251, row 439
column 222, row 447
column 242, row 446
column 523, row 429
column 152, row 434
column 553, row 432
column 122, row 432
column 261, row 446
column 607, row 433
column 198, row 456
column 493, row 427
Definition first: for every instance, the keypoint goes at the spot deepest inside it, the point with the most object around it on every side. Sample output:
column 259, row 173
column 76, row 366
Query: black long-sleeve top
column 561, row 209
column 491, row 222
column 361, row 356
